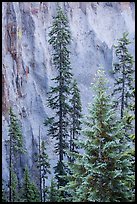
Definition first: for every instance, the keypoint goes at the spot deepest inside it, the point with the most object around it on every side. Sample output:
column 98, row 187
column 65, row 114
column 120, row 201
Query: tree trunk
column 122, row 99
column 44, row 196
column 10, row 182
column 60, row 116
column 74, row 131
column 123, row 92
column 60, row 124
column 40, row 179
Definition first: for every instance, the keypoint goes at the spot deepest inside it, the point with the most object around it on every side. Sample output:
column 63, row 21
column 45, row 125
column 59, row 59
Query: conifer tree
column 40, row 167
column 130, row 152
column 44, row 166
column 53, row 192
column 14, row 186
column 75, row 116
column 4, row 199
column 29, row 191
column 59, row 93
column 129, row 119
column 15, row 134
column 4, row 192
column 123, row 72
column 15, row 143
column 100, row 173
column 124, row 91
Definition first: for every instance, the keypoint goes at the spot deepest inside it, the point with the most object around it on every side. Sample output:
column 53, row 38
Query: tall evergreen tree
column 29, row 191
column 40, row 167
column 4, row 191
column 54, row 194
column 76, row 109
column 15, row 134
column 59, row 93
column 14, row 185
column 123, row 72
column 15, row 143
column 44, row 166
column 124, row 92
column 100, row 173
column 129, row 120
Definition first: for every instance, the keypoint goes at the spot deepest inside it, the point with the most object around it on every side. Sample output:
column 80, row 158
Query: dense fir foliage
column 123, row 72
column 15, row 134
column 15, row 144
column 16, row 138
column 75, row 117
column 29, row 191
column 4, row 191
column 58, row 94
column 101, row 172
column 14, row 186
column 124, row 92
column 44, row 166
column 54, row 194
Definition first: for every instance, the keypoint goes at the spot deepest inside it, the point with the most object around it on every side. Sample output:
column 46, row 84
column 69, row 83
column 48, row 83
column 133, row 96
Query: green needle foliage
column 4, row 191
column 54, row 194
column 123, row 72
column 29, row 191
column 15, row 135
column 60, row 92
column 15, row 144
column 129, row 119
column 102, row 171
column 14, row 186
column 124, row 92
column 44, row 166
column 75, row 117
column 44, row 161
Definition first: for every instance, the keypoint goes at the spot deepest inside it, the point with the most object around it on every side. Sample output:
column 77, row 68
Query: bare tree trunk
column 44, row 196
column 123, row 91
column 40, row 179
column 10, row 182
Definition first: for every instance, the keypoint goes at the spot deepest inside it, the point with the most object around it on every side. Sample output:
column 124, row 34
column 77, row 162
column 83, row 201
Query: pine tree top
column 60, row 30
column 124, row 40
column 15, row 133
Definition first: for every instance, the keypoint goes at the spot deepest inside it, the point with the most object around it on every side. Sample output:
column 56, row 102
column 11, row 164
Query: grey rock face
column 27, row 63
